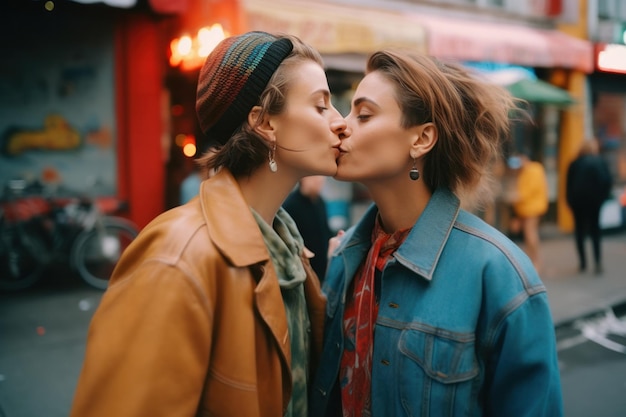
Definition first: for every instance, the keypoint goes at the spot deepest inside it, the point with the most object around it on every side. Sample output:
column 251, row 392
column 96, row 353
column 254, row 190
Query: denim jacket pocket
column 438, row 369
column 446, row 358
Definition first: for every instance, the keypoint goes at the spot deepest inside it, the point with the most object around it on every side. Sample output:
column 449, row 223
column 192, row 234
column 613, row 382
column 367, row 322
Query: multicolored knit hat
column 232, row 79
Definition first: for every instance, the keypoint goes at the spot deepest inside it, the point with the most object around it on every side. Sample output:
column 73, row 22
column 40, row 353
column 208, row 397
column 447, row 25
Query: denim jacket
column 464, row 327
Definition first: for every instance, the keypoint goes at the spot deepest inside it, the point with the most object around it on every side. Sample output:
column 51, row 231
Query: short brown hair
column 471, row 117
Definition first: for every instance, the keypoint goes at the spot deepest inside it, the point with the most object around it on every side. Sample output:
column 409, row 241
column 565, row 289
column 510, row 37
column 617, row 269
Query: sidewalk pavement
column 573, row 294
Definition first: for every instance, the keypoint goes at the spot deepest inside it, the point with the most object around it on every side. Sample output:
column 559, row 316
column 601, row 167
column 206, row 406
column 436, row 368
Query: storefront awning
column 341, row 30
column 463, row 40
column 537, row 91
column 333, row 28
column 522, row 83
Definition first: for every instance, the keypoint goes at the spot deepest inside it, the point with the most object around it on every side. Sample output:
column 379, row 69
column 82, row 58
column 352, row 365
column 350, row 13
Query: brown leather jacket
column 193, row 322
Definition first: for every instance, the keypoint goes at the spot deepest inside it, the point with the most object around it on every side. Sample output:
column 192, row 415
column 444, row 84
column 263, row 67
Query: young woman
column 214, row 309
column 430, row 311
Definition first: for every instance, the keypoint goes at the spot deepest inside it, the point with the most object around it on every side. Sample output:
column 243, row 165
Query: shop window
column 609, row 124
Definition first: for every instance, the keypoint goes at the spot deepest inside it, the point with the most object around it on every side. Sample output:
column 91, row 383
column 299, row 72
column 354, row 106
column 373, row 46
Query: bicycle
column 99, row 245
column 79, row 231
column 23, row 251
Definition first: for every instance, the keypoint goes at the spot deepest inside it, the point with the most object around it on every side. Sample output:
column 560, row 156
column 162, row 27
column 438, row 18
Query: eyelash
column 363, row 117
column 321, row 108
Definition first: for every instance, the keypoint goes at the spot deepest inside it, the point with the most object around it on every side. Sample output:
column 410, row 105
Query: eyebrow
column 322, row 91
column 360, row 100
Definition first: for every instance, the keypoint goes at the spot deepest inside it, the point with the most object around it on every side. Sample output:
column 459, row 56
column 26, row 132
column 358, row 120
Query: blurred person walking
column 214, row 309
column 530, row 204
column 431, row 311
column 307, row 207
column 190, row 185
column 589, row 184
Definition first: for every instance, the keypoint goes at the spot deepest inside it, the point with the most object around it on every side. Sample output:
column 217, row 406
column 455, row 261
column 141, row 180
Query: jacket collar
column 232, row 228
column 236, row 234
column 422, row 248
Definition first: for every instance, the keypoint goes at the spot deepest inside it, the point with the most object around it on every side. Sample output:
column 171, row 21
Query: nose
column 339, row 126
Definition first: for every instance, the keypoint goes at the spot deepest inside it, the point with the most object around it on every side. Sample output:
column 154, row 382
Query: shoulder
column 500, row 270
column 175, row 225
column 171, row 238
column 500, row 257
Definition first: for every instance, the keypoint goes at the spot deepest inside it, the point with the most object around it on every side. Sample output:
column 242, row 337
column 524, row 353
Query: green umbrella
column 537, row 91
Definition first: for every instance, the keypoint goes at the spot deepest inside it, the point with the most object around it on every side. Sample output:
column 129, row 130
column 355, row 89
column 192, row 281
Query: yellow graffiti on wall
column 57, row 134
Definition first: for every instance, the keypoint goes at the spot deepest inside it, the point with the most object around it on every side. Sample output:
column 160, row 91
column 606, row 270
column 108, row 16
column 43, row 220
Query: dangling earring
column 272, row 162
column 414, row 174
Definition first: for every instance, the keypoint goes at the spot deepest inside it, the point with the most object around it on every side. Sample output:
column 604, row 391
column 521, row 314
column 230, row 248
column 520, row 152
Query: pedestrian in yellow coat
column 531, row 202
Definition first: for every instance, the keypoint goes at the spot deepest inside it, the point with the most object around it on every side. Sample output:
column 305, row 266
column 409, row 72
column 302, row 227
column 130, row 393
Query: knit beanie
column 232, row 79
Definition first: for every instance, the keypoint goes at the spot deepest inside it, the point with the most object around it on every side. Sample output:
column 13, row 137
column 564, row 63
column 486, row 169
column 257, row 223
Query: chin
column 343, row 176
column 329, row 170
column 330, row 173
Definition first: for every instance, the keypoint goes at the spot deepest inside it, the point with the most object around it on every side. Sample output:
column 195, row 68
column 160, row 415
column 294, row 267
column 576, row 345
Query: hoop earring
column 272, row 162
column 414, row 174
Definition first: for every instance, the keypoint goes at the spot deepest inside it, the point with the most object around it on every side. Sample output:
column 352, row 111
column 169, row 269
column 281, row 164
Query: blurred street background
column 97, row 117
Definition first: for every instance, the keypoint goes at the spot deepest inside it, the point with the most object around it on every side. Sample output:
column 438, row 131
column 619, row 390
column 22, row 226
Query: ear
column 425, row 138
column 262, row 126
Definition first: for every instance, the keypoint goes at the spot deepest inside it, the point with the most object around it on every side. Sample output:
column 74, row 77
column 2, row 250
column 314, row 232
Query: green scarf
column 285, row 246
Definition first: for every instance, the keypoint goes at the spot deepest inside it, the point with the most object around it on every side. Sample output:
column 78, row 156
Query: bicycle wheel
column 95, row 252
column 23, row 259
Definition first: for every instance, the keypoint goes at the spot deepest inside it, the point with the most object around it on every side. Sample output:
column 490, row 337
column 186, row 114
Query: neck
column 400, row 205
column 265, row 191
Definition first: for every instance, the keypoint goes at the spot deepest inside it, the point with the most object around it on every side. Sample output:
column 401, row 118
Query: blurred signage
column 611, row 58
column 189, row 52
column 115, row 3
column 528, row 8
column 169, row 6
column 203, row 25
column 549, row 7
column 335, row 28
column 536, row 8
column 159, row 6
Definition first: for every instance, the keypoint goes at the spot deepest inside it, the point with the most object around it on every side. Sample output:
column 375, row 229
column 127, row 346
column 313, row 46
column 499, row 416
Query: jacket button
column 337, row 345
column 385, row 362
column 393, row 305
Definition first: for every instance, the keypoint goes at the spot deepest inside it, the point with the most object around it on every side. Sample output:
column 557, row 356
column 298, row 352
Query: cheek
column 307, row 130
column 368, row 143
column 377, row 151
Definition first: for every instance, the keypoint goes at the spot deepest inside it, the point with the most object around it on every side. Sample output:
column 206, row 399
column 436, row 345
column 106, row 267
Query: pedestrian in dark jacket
column 589, row 184
column 307, row 207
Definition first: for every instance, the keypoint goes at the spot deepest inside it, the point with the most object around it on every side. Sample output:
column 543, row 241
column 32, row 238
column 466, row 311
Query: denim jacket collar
column 422, row 248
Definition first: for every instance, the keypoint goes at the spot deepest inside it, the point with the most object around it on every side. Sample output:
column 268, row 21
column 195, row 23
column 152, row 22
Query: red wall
column 139, row 76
